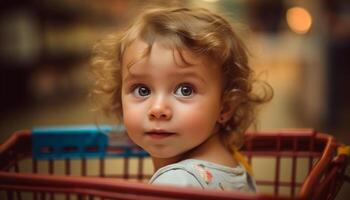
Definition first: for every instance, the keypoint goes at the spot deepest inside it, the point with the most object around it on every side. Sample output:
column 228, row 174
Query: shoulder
column 176, row 174
column 204, row 174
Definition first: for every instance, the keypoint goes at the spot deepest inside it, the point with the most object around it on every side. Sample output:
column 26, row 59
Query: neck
column 213, row 150
column 161, row 162
column 208, row 151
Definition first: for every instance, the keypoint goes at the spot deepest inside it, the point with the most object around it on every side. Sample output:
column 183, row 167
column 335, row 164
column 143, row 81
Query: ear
column 226, row 113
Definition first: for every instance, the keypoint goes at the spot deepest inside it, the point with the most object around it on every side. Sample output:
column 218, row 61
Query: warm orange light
column 211, row 1
column 299, row 20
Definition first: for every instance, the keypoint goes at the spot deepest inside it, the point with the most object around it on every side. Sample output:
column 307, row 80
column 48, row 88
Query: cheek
column 199, row 119
column 130, row 122
column 131, row 117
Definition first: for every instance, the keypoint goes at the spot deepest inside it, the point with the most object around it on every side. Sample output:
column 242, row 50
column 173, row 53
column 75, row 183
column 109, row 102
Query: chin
column 162, row 155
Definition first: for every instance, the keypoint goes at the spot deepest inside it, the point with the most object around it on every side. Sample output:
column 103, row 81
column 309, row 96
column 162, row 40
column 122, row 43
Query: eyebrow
column 131, row 76
column 192, row 74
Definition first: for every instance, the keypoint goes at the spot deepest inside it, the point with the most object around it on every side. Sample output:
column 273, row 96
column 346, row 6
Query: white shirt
column 204, row 174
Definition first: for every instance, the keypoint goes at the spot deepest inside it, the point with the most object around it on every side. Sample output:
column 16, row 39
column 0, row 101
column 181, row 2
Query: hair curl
column 203, row 33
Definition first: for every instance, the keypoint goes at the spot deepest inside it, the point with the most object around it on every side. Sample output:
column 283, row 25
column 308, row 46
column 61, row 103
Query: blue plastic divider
column 69, row 142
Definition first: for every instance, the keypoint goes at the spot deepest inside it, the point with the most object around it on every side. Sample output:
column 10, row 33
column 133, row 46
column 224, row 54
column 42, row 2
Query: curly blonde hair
column 203, row 33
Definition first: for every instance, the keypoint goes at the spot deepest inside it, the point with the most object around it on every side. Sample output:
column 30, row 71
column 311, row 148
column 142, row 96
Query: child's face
column 169, row 109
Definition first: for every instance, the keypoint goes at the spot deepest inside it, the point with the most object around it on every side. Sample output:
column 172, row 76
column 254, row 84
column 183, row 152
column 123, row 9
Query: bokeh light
column 299, row 20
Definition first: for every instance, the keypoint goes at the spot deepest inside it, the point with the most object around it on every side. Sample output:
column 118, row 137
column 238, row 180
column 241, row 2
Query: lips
column 159, row 134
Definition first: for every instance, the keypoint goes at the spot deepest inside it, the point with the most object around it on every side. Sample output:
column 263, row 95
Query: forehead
column 182, row 57
column 167, row 65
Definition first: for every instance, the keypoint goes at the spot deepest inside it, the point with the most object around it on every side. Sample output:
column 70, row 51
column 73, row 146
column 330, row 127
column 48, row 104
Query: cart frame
column 325, row 177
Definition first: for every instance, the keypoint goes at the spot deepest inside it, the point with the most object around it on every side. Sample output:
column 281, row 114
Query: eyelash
column 138, row 86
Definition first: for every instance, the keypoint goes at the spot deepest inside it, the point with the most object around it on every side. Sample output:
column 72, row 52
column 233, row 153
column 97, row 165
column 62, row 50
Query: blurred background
column 299, row 46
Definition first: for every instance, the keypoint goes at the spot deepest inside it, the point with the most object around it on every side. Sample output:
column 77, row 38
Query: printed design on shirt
column 204, row 173
column 221, row 186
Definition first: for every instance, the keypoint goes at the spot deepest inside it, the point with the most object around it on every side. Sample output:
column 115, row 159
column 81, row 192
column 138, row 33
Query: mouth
column 159, row 134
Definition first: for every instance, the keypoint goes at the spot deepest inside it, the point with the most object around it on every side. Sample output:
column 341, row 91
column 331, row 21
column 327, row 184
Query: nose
column 160, row 110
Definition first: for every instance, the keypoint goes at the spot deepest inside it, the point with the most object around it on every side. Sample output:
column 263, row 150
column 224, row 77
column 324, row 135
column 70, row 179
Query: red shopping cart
column 99, row 163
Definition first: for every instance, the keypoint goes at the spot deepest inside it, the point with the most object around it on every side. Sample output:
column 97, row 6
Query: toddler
column 179, row 81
